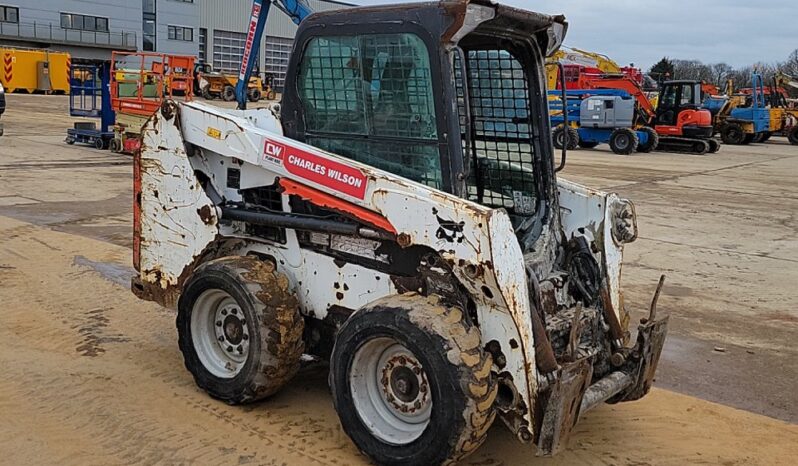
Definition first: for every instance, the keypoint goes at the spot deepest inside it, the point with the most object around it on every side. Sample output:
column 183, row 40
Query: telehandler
column 400, row 219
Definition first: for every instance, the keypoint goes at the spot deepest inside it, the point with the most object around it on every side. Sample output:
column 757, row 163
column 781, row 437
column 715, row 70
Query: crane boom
column 297, row 10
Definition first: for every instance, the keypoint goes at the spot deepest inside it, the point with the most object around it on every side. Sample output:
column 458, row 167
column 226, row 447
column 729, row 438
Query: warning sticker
column 320, row 170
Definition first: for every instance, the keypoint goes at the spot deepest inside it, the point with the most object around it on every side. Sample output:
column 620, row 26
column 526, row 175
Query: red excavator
column 679, row 120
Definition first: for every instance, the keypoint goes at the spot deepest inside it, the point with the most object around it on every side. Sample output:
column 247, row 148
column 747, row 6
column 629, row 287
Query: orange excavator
column 679, row 120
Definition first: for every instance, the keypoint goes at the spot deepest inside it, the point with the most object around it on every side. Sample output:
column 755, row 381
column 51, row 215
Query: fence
column 56, row 34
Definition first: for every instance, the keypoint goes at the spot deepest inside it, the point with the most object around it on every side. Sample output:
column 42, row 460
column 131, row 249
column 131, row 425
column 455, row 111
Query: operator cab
column 674, row 97
column 448, row 94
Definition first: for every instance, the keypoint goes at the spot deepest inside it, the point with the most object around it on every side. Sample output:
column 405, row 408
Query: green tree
column 662, row 70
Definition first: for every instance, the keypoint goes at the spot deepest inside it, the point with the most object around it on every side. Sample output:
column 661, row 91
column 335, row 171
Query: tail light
column 137, row 211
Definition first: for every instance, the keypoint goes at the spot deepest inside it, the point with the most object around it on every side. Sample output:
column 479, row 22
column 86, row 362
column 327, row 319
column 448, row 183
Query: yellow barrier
column 25, row 69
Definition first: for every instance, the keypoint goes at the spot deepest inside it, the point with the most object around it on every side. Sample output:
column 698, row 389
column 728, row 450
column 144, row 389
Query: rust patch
column 206, row 213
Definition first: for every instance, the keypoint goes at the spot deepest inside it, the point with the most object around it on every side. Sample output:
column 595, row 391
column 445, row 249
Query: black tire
column 114, row 145
column 69, row 140
column 99, row 144
column 271, row 95
column 766, row 136
column 273, row 323
column 792, row 136
column 652, row 142
column 206, row 93
column 588, row 144
column 254, row 94
column 228, row 94
column 558, row 137
column 624, row 141
column 749, row 138
column 714, row 145
column 573, row 138
column 453, row 363
column 758, row 138
column 732, row 133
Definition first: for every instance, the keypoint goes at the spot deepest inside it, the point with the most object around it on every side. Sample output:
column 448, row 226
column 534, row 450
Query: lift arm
column 297, row 10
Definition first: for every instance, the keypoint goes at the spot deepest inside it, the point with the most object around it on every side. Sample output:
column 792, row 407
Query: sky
column 737, row 32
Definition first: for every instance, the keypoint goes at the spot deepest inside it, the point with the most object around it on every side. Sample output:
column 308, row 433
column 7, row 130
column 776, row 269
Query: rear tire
column 652, row 142
column 239, row 329
column 206, row 93
column 228, row 94
column 254, row 94
column 558, row 136
column 114, row 145
column 749, row 138
column 624, row 141
column 714, row 145
column 732, row 133
column 792, row 136
column 384, row 356
column 99, row 144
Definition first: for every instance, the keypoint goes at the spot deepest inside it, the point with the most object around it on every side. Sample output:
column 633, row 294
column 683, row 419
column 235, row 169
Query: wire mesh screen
column 501, row 149
column 370, row 98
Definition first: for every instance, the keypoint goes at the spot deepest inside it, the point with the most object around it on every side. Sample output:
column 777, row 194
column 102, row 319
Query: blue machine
column 618, row 131
column 756, row 113
column 90, row 97
column 295, row 9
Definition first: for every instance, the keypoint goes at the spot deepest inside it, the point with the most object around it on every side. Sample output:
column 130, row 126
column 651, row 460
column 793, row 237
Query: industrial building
column 212, row 30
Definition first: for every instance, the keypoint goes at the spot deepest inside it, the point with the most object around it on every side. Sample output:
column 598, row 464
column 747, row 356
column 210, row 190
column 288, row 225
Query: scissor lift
column 90, row 97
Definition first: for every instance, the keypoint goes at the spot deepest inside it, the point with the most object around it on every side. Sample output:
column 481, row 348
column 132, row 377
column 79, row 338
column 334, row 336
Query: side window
column 669, row 97
column 687, row 94
column 370, row 98
column 502, row 172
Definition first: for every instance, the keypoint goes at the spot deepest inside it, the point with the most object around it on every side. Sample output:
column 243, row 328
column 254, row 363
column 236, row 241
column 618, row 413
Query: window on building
column 84, row 22
column 148, row 25
column 181, row 33
column 203, row 45
column 9, row 14
column 276, row 53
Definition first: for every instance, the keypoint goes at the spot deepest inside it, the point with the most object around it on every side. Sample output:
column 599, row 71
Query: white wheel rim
column 220, row 333
column 390, row 391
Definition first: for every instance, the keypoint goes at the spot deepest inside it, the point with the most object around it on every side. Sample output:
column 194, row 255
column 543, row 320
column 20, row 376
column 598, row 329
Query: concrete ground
column 94, row 376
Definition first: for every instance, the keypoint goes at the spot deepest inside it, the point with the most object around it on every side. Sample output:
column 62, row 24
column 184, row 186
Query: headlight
column 624, row 221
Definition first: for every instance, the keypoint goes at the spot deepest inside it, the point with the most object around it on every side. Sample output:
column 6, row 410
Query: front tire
column 732, row 133
column 624, row 141
column 239, row 329
column 228, row 94
column 792, row 136
column 411, row 383
column 652, row 142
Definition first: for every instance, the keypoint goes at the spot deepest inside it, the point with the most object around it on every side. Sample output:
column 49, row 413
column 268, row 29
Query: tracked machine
column 396, row 219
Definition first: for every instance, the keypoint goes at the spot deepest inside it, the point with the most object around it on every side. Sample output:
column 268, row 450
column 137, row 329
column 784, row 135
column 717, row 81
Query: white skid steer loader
column 400, row 216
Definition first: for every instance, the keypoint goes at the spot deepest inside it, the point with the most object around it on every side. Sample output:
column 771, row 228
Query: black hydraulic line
column 564, row 97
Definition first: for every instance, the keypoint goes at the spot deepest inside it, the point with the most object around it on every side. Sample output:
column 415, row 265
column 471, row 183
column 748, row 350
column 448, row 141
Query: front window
column 369, row 98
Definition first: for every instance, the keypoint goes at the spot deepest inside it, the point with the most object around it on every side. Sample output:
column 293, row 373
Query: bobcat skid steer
column 400, row 217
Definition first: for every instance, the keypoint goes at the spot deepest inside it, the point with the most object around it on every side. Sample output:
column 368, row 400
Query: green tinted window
column 363, row 95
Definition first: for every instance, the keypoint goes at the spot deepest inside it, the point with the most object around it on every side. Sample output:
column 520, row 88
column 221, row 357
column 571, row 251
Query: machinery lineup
column 395, row 218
